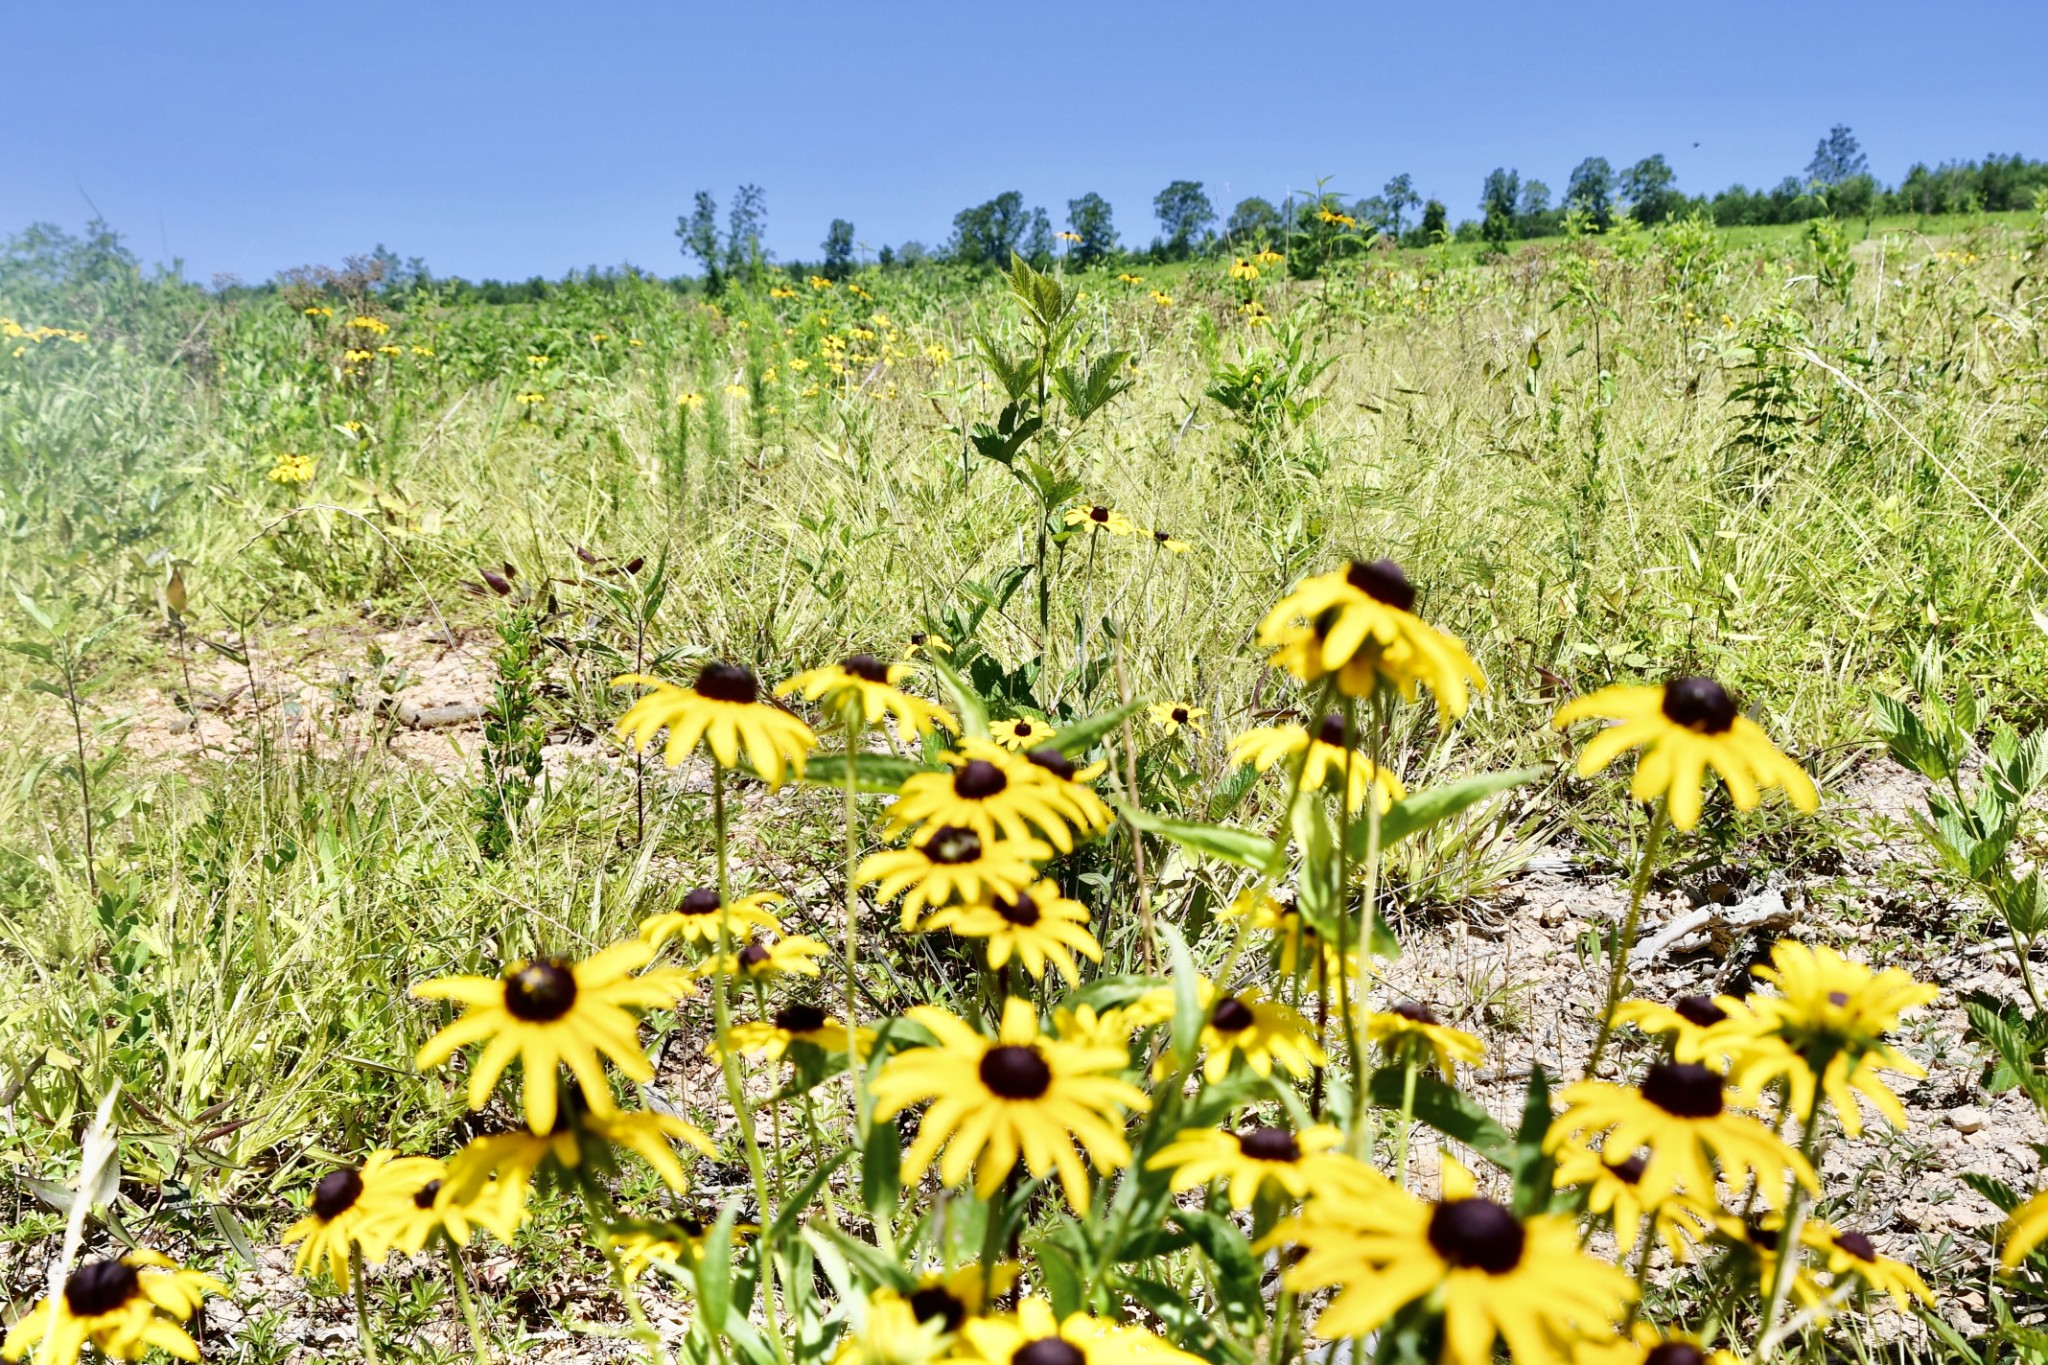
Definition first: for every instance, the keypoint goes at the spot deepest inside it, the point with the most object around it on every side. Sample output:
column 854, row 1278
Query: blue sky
column 511, row 139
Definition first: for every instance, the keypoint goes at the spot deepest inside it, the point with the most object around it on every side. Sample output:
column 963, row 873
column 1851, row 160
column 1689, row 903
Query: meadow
column 1141, row 706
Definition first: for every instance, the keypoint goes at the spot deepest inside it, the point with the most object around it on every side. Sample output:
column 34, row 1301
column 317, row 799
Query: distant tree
column 1400, row 196
column 838, row 250
column 1856, row 197
column 987, row 233
column 1254, row 222
column 745, row 225
column 1497, row 199
column 1591, row 191
column 699, row 233
column 1651, row 189
column 886, row 257
column 1038, row 240
column 1533, row 215
column 912, row 253
column 1837, row 158
column 1185, row 215
column 1435, row 226
column 1089, row 219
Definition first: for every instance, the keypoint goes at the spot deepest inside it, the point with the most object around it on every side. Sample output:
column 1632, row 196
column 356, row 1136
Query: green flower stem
column 855, row 730
column 1788, row 1239
column 721, row 1009
column 466, row 1301
column 1646, row 1230
column 366, row 1340
column 1653, row 843
column 597, row 1209
column 1409, row 1070
column 1358, row 1139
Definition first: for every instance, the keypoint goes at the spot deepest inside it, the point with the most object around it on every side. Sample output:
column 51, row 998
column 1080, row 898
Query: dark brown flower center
column 799, row 1018
column 935, row 1301
column 1684, row 1090
column 1179, row 715
column 1761, row 1236
column 1330, row 730
column 867, row 668
column 978, row 780
column 728, row 682
column 951, row 845
column 702, row 901
column 1022, row 728
column 1382, row 581
column 1857, row 1244
column 425, row 1195
column 1675, row 1353
column 1022, row 912
column 336, row 1193
column 1476, row 1234
column 100, row 1287
column 1015, row 1072
column 1414, row 1011
column 1053, row 761
column 918, row 638
column 541, row 992
column 1268, row 1144
column 1048, row 1351
column 753, row 956
column 1699, row 1010
column 1838, row 998
column 1630, row 1169
column 1232, row 1015
column 1161, row 536
column 1699, row 704
column 692, row 1227
column 1098, row 515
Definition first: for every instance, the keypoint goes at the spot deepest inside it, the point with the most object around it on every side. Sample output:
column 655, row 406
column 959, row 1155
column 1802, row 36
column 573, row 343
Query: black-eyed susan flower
column 950, row 1297
column 883, row 1329
column 356, row 1207
column 495, row 1206
column 1096, row 516
column 1243, row 1025
column 696, row 917
column 1647, row 1345
column 1019, row 733
column 1020, row 1093
column 1250, row 1159
column 549, row 1013
column 1034, row 1335
column 991, row 794
column 722, row 710
column 1680, row 1114
column 1686, row 1022
column 2025, row 1229
column 951, row 864
column 769, row 959
column 1174, row 716
column 1326, row 764
column 1166, row 540
column 1848, row 1254
column 507, row 1162
column 864, row 686
column 1613, row 1189
column 1410, row 1032
column 1036, row 926
column 1070, row 779
column 1359, row 624
column 1824, row 1030
column 1489, row 1273
column 672, row 1243
column 1684, row 728
column 794, row 1025
column 1755, row 1243
column 924, row 642
column 121, row 1306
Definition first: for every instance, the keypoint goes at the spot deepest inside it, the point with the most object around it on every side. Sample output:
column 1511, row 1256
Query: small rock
column 1967, row 1118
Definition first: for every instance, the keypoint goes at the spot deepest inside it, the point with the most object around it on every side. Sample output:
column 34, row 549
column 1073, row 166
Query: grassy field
column 253, row 545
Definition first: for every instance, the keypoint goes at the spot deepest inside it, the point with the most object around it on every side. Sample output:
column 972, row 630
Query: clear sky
column 511, row 139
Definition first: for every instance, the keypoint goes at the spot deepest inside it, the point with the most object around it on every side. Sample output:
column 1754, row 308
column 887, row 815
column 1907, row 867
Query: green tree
column 1185, row 215
column 1435, row 226
column 746, row 223
column 1533, row 214
column 989, row 233
column 1837, row 158
column 1591, row 191
column 838, row 250
column 1400, row 196
column 1651, row 189
column 699, row 234
column 1497, row 199
column 1254, row 222
column 1089, row 219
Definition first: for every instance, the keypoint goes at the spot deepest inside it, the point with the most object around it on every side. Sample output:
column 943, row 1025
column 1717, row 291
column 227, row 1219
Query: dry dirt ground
column 1510, row 968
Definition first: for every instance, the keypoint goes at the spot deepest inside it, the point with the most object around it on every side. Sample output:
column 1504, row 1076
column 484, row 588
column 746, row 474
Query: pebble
column 1967, row 1119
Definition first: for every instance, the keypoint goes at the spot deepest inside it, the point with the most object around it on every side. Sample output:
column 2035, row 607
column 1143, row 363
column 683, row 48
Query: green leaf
column 881, row 1171
column 794, row 1209
column 1227, row 842
column 1081, row 736
column 966, row 701
column 1450, row 1111
column 1188, row 1015
column 1237, row 1270
column 874, row 774
column 714, row 1268
column 1063, row 1280
column 1422, row 809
